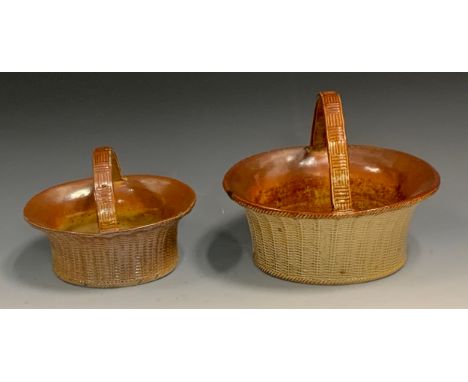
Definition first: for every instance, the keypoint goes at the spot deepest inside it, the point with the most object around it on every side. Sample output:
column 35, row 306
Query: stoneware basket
column 112, row 231
column 330, row 213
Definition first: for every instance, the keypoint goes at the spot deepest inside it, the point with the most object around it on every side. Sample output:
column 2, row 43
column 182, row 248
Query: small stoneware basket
column 112, row 231
column 329, row 213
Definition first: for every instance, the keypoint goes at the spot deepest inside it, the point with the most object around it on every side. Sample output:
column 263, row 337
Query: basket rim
column 334, row 214
column 126, row 231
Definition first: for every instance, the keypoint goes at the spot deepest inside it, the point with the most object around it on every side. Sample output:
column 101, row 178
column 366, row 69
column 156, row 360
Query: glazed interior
column 297, row 179
column 140, row 201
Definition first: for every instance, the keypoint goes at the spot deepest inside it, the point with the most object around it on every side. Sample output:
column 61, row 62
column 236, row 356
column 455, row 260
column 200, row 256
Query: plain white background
column 231, row 345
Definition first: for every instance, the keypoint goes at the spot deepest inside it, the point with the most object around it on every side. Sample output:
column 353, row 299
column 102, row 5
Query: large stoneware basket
column 329, row 213
column 112, row 231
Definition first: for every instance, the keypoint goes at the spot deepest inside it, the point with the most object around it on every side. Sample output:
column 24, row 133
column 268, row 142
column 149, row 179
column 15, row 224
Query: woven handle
column 106, row 171
column 328, row 131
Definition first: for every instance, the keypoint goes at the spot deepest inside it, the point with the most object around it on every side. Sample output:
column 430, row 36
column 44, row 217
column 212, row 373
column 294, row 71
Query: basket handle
column 328, row 131
column 106, row 171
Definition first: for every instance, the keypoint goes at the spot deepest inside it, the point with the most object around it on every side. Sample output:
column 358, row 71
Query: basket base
column 116, row 284
column 318, row 281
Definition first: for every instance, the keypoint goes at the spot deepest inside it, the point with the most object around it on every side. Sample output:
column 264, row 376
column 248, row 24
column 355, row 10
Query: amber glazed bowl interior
column 297, row 180
column 141, row 201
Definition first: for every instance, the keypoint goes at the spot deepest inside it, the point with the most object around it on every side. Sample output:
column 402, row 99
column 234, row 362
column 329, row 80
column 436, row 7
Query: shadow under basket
column 329, row 213
column 112, row 231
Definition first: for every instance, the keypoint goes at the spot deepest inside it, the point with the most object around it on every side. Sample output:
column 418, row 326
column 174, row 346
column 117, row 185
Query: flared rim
column 407, row 202
column 126, row 231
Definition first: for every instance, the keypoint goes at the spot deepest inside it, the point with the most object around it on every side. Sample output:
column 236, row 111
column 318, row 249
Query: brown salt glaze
column 329, row 213
column 111, row 230
column 296, row 181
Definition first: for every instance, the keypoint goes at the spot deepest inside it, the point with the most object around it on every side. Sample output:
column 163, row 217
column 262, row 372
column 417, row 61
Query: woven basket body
column 329, row 213
column 118, row 260
column 330, row 250
column 112, row 231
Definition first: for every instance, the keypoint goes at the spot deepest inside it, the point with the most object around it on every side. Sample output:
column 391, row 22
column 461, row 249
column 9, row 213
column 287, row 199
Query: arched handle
column 106, row 171
column 328, row 131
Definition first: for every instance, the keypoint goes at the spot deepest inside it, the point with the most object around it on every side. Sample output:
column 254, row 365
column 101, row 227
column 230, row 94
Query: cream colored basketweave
column 112, row 231
column 330, row 213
